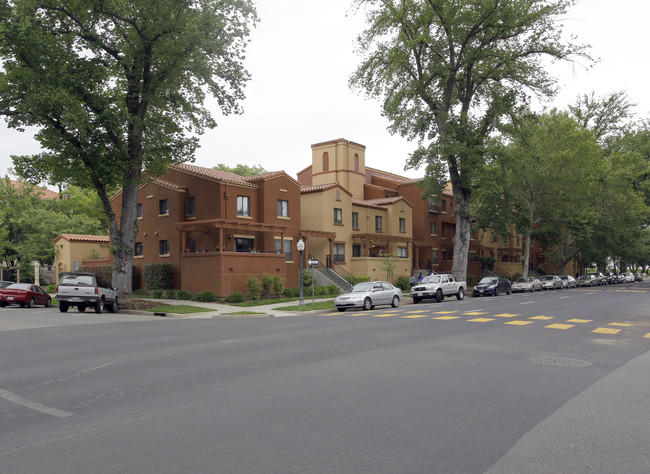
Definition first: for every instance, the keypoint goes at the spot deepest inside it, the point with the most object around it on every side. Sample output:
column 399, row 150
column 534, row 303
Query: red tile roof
column 82, row 238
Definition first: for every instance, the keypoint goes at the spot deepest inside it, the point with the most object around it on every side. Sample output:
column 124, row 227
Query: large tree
column 448, row 70
column 116, row 89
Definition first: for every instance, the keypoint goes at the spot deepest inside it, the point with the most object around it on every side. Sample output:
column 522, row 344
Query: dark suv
column 85, row 290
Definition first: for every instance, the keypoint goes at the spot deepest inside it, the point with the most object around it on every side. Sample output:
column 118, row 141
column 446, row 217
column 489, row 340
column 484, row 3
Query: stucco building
column 72, row 251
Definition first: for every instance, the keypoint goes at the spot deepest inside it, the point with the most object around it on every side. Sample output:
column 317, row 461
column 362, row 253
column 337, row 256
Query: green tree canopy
column 116, row 89
column 448, row 71
column 242, row 170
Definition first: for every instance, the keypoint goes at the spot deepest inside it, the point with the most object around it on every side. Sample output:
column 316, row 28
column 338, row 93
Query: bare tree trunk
column 526, row 263
column 461, row 242
column 123, row 240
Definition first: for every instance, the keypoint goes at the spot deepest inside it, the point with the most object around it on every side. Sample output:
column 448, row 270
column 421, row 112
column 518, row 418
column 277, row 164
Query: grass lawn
column 309, row 306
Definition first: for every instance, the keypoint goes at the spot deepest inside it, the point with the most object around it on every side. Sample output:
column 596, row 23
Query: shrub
column 403, row 283
column 183, row 295
column 278, row 285
column 205, row 297
column 306, row 278
column 354, row 279
column 51, row 288
column 267, row 283
column 235, row 297
column 105, row 271
column 158, row 276
column 253, row 285
column 157, row 294
column 292, row 292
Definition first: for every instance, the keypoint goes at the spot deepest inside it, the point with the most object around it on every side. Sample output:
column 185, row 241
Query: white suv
column 85, row 290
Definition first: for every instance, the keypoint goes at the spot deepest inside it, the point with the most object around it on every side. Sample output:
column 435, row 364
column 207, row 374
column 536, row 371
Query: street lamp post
column 301, row 246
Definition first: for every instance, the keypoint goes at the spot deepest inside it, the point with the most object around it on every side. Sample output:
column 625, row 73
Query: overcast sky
column 301, row 56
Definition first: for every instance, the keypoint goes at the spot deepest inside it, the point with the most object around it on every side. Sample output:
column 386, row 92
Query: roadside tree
column 116, row 90
column 448, row 71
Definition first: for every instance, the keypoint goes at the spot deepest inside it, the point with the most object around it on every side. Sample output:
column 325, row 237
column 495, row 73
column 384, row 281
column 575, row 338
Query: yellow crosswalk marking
column 481, row 320
column 384, row 315
column 447, row 317
column 331, row 314
column 474, row 313
column 647, row 335
column 417, row 311
column 519, row 323
column 545, row 318
column 579, row 320
column 415, row 316
column 560, row 326
column 625, row 325
column 444, row 312
column 606, row 331
column 506, row 315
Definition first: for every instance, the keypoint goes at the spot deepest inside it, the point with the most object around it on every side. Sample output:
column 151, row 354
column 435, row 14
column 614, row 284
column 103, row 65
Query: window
column 493, row 237
column 355, row 220
column 401, row 252
column 433, row 228
column 443, row 206
column 473, row 257
column 442, row 231
column 378, row 223
column 338, row 216
column 326, row 161
column 283, row 208
column 402, row 224
column 339, row 253
column 356, row 250
column 243, row 206
column 444, row 255
column 243, row 244
column 432, row 205
column 356, row 162
column 139, row 213
column 189, row 208
column 138, row 250
column 163, row 247
column 288, row 248
column 434, row 256
column 163, row 207
column 192, row 245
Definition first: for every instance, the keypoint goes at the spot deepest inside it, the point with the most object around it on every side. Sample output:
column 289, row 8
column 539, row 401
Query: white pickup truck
column 438, row 286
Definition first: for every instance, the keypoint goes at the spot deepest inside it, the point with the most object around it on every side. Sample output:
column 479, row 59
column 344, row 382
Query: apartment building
column 218, row 229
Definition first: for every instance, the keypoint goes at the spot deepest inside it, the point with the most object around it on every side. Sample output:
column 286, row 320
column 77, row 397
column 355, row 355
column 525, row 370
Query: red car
column 24, row 294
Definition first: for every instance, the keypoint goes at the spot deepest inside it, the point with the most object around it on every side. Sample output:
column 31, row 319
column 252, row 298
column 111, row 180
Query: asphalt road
column 545, row 382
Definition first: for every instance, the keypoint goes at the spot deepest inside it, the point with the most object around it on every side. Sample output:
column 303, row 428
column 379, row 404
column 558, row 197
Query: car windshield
column 546, row 278
column 82, row 280
column 524, row 280
column 431, row 279
column 363, row 287
column 488, row 281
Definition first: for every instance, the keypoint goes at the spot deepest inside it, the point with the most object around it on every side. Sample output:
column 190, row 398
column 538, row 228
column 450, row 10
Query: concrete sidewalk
column 221, row 310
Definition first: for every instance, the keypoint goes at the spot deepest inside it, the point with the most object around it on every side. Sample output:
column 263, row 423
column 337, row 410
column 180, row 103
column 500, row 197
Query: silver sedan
column 527, row 284
column 369, row 294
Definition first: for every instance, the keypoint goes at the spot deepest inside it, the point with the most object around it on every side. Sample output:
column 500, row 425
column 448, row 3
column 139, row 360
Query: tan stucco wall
column 67, row 252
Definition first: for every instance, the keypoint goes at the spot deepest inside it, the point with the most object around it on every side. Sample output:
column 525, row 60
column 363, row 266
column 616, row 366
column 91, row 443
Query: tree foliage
column 242, row 170
column 448, row 71
column 116, row 89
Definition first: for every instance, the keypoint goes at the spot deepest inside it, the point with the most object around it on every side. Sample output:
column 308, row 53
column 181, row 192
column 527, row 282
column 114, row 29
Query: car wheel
column 496, row 291
column 30, row 303
column 509, row 291
column 439, row 296
column 114, row 306
column 99, row 306
column 340, row 309
column 461, row 294
column 395, row 302
column 3, row 305
column 63, row 307
column 81, row 308
column 367, row 304
column 48, row 303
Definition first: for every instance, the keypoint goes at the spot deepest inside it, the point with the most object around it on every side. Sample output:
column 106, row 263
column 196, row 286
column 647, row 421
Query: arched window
column 356, row 162
column 326, row 161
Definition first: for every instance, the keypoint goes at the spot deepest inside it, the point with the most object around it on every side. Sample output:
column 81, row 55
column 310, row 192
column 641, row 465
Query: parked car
column 620, row 278
column 568, row 281
column 638, row 277
column 438, row 286
column 85, row 290
column 587, row 280
column 527, row 284
column 369, row 294
column 492, row 286
column 551, row 282
column 629, row 278
column 24, row 294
